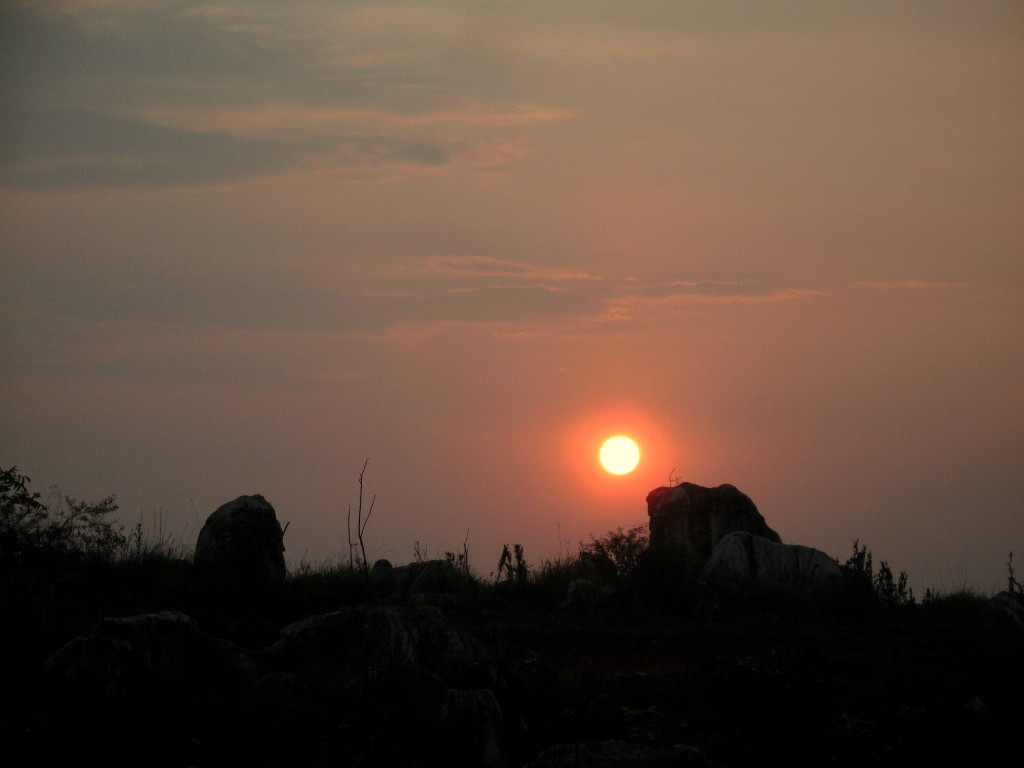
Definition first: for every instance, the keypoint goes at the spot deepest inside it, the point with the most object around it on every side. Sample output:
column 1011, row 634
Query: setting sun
column 619, row 455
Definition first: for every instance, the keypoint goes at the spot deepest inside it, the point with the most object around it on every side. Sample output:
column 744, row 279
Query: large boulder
column 1006, row 610
column 430, row 582
column 744, row 558
column 619, row 754
column 581, row 595
column 140, row 670
column 243, row 540
column 385, row 670
column 687, row 521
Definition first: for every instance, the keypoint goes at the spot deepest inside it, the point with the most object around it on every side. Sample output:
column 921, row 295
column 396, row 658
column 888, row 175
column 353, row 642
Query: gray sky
column 247, row 246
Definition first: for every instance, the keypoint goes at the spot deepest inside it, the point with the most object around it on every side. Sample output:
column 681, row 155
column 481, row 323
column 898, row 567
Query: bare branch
column 360, row 522
column 348, row 524
column 372, row 502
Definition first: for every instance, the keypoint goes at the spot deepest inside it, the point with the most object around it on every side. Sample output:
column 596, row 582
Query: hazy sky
column 248, row 245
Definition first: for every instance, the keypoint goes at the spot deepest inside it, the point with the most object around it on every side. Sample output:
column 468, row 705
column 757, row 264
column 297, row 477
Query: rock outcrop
column 399, row 686
column 619, row 754
column 150, row 664
column 687, row 521
column 389, row 670
column 243, row 540
column 743, row 558
column 1006, row 610
column 431, row 582
column 581, row 595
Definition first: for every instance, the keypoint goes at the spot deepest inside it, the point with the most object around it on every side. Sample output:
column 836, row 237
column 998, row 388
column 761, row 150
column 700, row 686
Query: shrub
column 623, row 549
column 22, row 515
column 513, row 567
column 460, row 560
column 66, row 526
column 890, row 590
column 883, row 586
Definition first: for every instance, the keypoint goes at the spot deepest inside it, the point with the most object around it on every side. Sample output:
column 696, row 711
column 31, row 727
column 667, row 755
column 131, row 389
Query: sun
column 619, row 455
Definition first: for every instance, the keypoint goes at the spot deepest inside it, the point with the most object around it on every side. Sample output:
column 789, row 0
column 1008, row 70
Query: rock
column 243, row 540
column 283, row 708
column 470, row 729
column 10, row 542
column 150, row 666
column 385, row 670
column 431, row 582
column 329, row 649
column 688, row 521
column 743, row 557
column 1006, row 610
column 597, row 567
column 582, row 595
column 976, row 709
column 619, row 754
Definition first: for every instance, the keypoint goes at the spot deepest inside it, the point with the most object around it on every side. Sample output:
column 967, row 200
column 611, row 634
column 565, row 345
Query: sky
column 248, row 246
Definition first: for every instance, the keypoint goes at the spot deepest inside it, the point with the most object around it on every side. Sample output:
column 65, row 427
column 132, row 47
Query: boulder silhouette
column 431, row 582
column 619, row 754
column 581, row 595
column 243, row 540
column 1006, row 610
column 742, row 557
column 389, row 670
column 687, row 521
column 139, row 670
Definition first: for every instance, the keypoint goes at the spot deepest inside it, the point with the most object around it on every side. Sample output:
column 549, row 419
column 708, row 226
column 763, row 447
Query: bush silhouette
column 66, row 526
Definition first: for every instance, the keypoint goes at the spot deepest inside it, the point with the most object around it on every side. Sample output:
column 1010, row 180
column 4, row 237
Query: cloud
column 122, row 94
column 488, row 266
column 523, row 336
column 42, row 149
column 422, row 153
column 525, row 300
column 76, row 75
column 719, row 291
column 511, row 299
column 280, row 119
column 119, row 54
column 907, row 285
column 521, row 304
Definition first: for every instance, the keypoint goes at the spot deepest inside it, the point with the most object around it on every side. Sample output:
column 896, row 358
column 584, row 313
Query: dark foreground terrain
column 493, row 674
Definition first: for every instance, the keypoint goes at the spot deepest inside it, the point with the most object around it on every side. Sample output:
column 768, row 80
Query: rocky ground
column 213, row 674
column 710, row 643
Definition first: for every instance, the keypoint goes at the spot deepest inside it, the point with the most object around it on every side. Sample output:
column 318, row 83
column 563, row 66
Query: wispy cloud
column 492, row 288
column 488, row 266
column 281, row 119
column 87, row 149
column 108, row 94
column 712, row 290
column 913, row 285
column 513, row 299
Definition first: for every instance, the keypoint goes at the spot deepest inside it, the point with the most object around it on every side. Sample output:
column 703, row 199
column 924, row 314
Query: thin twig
column 360, row 523
column 348, row 524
